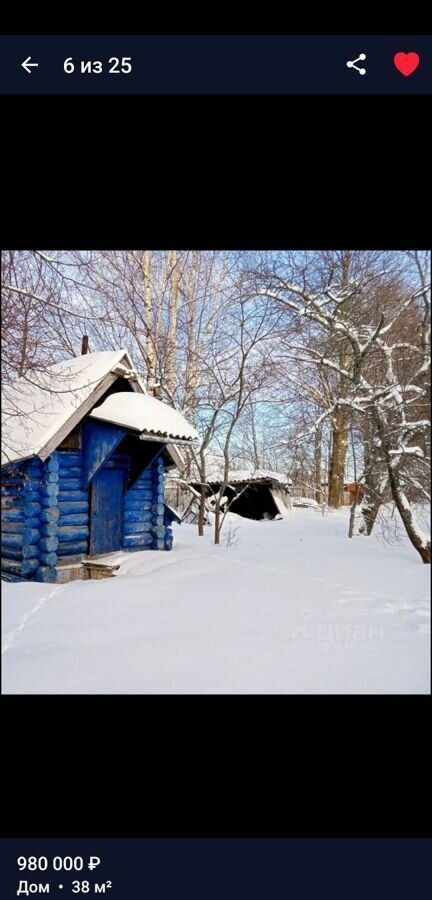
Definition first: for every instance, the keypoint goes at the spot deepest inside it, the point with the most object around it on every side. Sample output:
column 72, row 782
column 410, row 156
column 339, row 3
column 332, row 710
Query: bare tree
column 386, row 399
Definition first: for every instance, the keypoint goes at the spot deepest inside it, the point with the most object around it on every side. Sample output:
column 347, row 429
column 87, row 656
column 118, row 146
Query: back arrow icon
column 27, row 64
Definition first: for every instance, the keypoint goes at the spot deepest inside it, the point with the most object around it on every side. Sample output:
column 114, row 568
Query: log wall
column 45, row 515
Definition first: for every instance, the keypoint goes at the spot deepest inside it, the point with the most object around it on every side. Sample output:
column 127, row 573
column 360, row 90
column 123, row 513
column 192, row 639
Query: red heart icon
column 406, row 62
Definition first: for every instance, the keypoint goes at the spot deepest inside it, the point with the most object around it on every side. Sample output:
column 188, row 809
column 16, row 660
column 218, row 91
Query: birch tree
column 151, row 337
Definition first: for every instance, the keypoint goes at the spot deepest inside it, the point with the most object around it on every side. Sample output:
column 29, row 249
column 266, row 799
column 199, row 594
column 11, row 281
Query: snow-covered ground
column 292, row 607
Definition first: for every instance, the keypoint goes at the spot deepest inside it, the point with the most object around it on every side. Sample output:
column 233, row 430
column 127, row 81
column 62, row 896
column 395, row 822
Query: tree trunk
column 217, row 522
column 192, row 359
column 328, row 467
column 148, row 312
column 337, row 461
column 174, row 276
column 375, row 483
column 201, row 513
column 256, row 456
column 353, row 512
column 369, row 510
column 22, row 366
column 418, row 540
column 342, row 417
column 317, row 456
column 371, row 504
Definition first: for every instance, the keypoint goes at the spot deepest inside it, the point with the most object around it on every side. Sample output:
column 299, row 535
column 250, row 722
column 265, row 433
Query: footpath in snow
column 292, row 607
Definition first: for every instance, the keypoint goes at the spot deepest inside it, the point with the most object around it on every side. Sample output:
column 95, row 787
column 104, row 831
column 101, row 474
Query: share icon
column 352, row 63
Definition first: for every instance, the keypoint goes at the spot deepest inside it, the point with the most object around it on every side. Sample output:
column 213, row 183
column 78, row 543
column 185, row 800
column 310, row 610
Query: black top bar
column 215, row 64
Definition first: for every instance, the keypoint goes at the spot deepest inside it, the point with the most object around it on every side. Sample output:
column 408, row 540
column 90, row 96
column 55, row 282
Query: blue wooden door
column 106, row 516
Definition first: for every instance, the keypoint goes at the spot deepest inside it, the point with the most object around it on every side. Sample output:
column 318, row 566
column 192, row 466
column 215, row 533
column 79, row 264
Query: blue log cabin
column 84, row 456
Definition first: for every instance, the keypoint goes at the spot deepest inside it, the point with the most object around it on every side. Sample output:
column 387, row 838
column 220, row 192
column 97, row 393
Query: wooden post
column 85, row 345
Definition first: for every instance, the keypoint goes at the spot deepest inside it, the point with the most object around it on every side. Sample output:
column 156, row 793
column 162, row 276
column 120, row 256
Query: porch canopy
column 152, row 419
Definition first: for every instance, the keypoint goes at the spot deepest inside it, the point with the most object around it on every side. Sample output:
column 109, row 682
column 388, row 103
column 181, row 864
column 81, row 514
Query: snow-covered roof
column 41, row 408
column 258, row 475
column 214, row 473
column 215, row 465
column 145, row 414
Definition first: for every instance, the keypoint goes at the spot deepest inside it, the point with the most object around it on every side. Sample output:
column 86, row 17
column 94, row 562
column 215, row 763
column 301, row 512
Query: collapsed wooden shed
column 258, row 494
column 84, row 456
